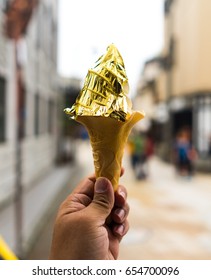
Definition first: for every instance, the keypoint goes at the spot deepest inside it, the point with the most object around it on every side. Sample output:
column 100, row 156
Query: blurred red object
column 18, row 14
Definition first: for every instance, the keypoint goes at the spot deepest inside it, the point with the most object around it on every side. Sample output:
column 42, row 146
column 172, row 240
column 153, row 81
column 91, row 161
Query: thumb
column 103, row 200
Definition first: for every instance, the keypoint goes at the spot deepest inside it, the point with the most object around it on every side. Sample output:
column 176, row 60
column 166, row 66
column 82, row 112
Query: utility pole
column 18, row 14
column 18, row 156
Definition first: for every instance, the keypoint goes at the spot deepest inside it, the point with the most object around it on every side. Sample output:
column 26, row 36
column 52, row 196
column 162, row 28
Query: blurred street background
column 44, row 155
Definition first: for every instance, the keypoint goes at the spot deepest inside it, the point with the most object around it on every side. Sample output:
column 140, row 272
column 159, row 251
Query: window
column 50, row 115
column 2, row 109
column 43, row 115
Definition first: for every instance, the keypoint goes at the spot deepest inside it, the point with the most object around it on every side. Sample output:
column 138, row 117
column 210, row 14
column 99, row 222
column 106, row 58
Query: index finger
column 92, row 177
column 86, row 187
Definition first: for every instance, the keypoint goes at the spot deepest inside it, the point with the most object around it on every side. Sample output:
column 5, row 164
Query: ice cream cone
column 104, row 108
column 108, row 138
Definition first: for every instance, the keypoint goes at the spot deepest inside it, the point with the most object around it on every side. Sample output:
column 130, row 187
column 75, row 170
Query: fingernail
column 120, row 229
column 120, row 213
column 122, row 194
column 101, row 185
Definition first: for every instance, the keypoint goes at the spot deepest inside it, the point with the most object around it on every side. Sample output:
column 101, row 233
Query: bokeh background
column 46, row 48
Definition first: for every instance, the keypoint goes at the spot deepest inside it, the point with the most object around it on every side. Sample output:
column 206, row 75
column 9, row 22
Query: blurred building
column 69, row 129
column 37, row 80
column 6, row 129
column 177, row 82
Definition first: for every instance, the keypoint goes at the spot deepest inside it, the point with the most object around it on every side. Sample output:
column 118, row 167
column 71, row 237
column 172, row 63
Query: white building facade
column 37, row 57
column 7, row 112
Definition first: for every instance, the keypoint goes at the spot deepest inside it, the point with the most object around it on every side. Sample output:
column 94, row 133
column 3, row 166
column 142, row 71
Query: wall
column 7, row 149
column 39, row 69
column 190, row 28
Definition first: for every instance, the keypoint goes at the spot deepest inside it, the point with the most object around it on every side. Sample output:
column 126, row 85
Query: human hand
column 91, row 222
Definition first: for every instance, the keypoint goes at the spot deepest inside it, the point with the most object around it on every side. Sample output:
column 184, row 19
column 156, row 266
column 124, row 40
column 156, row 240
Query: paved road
column 169, row 217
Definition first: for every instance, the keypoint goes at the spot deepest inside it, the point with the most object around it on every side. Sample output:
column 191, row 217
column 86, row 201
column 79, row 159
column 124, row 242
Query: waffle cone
column 108, row 138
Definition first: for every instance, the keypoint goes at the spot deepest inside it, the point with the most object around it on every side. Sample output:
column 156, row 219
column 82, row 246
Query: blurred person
column 149, row 150
column 185, row 154
column 138, row 154
column 91, row 222
column 149, row 147
column 83, row 133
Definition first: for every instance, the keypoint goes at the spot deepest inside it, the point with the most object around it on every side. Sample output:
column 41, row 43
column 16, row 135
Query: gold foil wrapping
column 105, row 89
column 106, row 112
